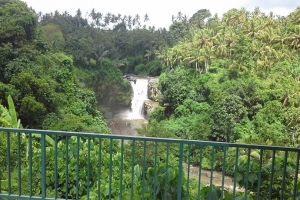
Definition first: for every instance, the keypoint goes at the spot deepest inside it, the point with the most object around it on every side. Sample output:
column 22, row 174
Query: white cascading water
column 140, row 89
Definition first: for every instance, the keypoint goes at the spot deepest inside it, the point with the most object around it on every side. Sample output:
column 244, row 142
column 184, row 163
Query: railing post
column 167, row 172
column 43, row 165
column 8, row 161
column 12, row 163
column 19, row 163
column 132, row 170
column 296, row 176
column 180, row 171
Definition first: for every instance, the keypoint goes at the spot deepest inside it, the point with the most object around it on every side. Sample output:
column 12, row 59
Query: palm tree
column 294, row 37
column 254, row 28
column 119, row 17
column 237, row 65
column 294, row 17
column 267, row 35
column 207, row 53
column 98, row 19
column 66, row 14
column 78, row 13
column 161, row 55
column 220, row 46
column 230, row 38
column 266, row 55
column 290, row 93
column 169, row 59
column 137, row 20
column 148, row 54
column 203, row 37
column 236, row 17
column 179, row 16
column 146, row 18
column 282, row 34
column 213, row 23
column 78, row 17
column 177, row 52
column 107, row 19
column 93, row 14
column 285, row 53
column 194, row 56
column 229, row 17
column 125, row 18
column 113, row 18
column 129, row 22
column 100, row 52
column 256, row 13
column 56, row 13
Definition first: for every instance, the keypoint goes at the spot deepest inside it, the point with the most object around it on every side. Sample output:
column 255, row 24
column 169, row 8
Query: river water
column 125, row 121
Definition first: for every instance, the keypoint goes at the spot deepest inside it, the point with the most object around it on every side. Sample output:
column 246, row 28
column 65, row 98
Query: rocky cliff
column 153, row 95
column 153, row 92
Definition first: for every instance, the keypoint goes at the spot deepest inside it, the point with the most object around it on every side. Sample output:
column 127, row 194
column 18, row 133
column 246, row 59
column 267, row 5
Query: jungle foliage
column 233, row 78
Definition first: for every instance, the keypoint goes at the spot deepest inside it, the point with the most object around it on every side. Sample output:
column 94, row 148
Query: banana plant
column 8, row 117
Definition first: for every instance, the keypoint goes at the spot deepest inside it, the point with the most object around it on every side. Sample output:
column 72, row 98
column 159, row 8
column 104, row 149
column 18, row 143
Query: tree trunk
column 206, row 65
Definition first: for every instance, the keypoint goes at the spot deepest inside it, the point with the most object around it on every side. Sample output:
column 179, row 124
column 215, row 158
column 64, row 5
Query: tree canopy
column 233, row 78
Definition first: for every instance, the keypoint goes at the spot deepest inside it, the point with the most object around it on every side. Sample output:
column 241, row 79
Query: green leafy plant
column 8, row 117
column 251, row 178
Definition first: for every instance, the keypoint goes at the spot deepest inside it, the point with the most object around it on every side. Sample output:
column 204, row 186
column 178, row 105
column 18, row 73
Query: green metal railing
column 38, row 164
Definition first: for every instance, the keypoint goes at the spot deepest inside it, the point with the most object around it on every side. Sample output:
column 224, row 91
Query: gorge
column 124, row 121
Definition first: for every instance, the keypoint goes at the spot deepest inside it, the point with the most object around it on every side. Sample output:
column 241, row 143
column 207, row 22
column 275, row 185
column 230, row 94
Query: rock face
column 153, row 92
column 149, row 106
column 108, row 115
column 153, row 95
column 130, row 78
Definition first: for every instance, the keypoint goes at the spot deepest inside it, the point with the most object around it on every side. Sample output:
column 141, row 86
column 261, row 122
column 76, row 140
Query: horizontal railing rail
column 40, row 164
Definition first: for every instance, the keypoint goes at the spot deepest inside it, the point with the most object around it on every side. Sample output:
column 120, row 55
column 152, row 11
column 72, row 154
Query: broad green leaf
column 212, row 195
column 48, row 139
column 12, row 112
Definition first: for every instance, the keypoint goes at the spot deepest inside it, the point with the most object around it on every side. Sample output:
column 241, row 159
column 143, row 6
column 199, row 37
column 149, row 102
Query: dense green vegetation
column 238, row 77
column 229, row 79
column 56, row 70
column 60, row 67
column 234, row 79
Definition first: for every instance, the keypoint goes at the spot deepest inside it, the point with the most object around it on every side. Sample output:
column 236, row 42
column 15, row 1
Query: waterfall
column 140, row 90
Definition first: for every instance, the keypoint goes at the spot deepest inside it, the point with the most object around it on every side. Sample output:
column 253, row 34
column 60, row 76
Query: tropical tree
column 227, row 113
column 146, row 18
column 100, row 52
column 220, row 46
column 198, row 19
column 294, row 37
column 18, row 23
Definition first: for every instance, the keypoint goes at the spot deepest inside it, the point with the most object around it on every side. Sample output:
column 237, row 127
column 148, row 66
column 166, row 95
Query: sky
column 160, row 11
